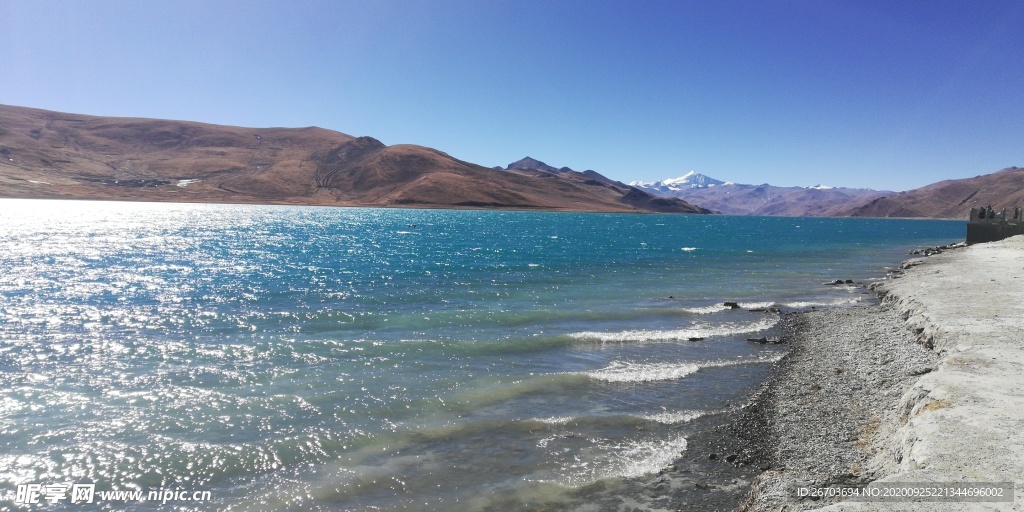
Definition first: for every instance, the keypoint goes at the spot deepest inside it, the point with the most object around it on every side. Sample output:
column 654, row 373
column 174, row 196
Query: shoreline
column 542, row 209
column 926, row 386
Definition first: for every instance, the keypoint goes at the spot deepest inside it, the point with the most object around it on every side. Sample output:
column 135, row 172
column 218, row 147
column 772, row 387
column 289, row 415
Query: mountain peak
column 692, row 179
column 532, row 163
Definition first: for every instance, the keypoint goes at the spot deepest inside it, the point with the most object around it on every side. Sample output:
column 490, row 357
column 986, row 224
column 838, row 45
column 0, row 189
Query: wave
column 556, row 420
column 717, row 308
column 569, row 458
column 620, row 420
column 620, row 371
column 557, row 426
column 625, row 371
column 697, row 331
column 846, row 301
column 707, row 310
column 488, row 391
column 626, row 459
column 757, row 305
column 672, row 418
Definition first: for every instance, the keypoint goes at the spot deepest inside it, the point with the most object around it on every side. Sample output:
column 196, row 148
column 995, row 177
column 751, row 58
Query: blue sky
column 887, row 95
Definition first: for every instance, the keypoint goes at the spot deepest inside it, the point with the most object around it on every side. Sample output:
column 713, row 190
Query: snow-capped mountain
column 692, row 179
column 737, row 199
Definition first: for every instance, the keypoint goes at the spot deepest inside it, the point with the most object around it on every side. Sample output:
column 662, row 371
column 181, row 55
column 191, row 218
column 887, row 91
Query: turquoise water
column 373, row 359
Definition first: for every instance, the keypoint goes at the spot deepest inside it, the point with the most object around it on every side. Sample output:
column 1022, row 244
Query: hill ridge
column 47, row 154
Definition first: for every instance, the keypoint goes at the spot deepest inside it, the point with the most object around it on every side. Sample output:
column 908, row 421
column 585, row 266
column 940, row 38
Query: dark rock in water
column 758, row 340
column 919, row 371
column 849, row 281
column 931, row 251
column 731, row 458
column 695, row 338
column 733, row 305
column 713, row 456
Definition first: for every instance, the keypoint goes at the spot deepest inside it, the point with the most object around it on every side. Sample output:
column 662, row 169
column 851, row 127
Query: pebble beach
column 925, row 389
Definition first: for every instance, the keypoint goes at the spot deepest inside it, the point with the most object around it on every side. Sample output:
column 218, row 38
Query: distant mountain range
column 950, row 199
column 737, row 199
column 46, row 154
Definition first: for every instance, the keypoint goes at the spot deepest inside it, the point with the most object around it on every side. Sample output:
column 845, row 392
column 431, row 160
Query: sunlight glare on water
column 365, row 359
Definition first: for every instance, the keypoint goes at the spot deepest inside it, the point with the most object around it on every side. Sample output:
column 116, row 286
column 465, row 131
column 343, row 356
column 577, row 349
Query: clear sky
column 888, row 94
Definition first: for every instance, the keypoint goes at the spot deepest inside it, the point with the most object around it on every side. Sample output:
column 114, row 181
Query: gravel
column 825, row 416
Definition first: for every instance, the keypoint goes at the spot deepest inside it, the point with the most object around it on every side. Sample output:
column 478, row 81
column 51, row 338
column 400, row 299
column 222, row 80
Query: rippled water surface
column 372, row 359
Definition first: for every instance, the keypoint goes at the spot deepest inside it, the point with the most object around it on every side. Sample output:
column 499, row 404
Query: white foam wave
column 848, row 301
column 756, row 305
column 626, row 371
column 689, row 249
column 640, row 458
column 621, row 371
column 628, row 459
column 671, row 418
column 706, row 310
column 556, row 420
column 716, row 308
column 763, row 357
column 697, row 331
column 543, row 443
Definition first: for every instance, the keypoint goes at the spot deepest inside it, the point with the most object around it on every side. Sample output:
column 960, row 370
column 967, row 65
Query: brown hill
column 47, row 154
column 950, row 199
column 603, row 187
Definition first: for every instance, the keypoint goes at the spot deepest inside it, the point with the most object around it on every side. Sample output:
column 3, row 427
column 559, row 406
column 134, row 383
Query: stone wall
column 987, row 225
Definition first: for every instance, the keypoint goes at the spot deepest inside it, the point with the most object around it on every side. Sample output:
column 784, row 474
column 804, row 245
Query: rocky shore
column 927, row 387
column 820, row 420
